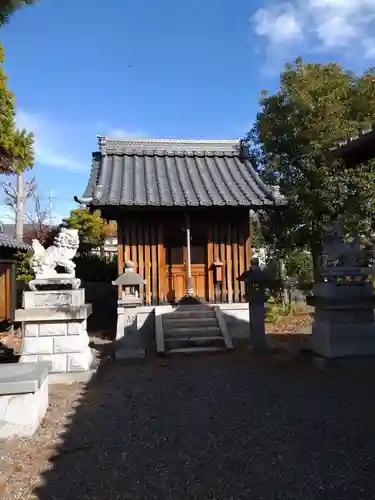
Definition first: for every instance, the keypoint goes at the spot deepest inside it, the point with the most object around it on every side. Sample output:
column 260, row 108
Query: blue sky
column 160, row 68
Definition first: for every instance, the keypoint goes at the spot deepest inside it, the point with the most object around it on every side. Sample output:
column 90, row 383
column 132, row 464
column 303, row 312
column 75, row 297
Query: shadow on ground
column 228, row 426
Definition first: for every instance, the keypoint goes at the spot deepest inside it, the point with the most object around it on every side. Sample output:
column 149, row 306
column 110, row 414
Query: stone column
column 257, row 311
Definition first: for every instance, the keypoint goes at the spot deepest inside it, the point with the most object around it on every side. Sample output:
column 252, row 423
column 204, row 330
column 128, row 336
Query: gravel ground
column 229, row 426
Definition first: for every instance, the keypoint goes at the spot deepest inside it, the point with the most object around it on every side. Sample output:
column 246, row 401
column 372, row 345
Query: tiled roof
column 175, row 173
column 357, row 149
column 8, row 242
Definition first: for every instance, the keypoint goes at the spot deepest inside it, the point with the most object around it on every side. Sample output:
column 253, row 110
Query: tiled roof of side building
column 357, row 149
column 13, row 243
column 175, row 173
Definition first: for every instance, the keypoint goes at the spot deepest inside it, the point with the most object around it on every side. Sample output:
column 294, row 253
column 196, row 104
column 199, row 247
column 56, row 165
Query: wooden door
column 5, row 291
column 199, row 271
column 175, row 274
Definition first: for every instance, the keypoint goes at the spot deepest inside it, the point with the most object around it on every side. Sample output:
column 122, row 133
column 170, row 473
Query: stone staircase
column 191, row 329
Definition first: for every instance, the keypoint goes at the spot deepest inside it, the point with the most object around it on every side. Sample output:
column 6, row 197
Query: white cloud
column 330, row 25
column 51, row 142
column 278, row 24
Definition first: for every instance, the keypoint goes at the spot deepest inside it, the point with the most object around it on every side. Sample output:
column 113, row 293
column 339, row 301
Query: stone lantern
column 344, row 321
column 258, row 281
column 129, row 345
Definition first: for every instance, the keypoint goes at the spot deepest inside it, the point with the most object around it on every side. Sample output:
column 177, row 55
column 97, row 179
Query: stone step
column 193, row 307
column 192, row 332
column 207, row 313
column 194, row 350
column 195, row 339
column 170, row 322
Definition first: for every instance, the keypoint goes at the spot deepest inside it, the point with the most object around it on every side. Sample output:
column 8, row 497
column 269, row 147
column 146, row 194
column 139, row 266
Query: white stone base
column 22, row 413
column 56, row 333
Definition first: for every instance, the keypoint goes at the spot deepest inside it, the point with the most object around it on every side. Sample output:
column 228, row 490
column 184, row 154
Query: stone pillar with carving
column 54, row 318
column 129, row 345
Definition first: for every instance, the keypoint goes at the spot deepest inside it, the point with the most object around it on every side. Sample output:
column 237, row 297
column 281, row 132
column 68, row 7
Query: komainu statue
column 61, row 254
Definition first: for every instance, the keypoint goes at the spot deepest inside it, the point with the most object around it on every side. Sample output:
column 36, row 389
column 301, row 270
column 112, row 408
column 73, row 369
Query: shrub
column 96, row 268
column 23, row 267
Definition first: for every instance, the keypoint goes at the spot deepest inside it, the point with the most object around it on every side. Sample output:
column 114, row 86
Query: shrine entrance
column 176, row 270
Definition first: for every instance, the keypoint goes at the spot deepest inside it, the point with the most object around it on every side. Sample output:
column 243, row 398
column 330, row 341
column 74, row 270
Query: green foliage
column 8, row 7
column 95, row 268
column 276, row 309
column 23, row 267
column 91, row 227
column 299, row 264
column 16, row 146
column 291, row 142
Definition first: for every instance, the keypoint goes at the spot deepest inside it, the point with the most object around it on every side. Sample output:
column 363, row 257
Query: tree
column 91, row 227
column 291, row 142
column 16, row 146
column 8, row 7
column 36, row 212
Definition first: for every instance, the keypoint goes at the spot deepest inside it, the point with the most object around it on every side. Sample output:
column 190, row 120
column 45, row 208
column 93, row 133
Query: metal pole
column 189, row 289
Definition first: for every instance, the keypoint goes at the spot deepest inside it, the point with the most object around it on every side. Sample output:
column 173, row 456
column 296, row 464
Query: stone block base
column 56, row 334
column 23, row 399
column 342, row 340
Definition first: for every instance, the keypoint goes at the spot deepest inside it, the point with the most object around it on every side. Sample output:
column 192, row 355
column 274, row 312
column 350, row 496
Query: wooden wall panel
column 142, row 241
column 5, row 291
column 216, row 255
column 241, row 259
column 229, row 263
column 235, row 259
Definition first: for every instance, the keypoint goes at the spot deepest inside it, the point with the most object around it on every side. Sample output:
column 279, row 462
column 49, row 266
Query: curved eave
column 83, row 200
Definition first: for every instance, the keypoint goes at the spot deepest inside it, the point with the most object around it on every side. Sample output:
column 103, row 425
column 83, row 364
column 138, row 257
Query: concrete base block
column 23, row 399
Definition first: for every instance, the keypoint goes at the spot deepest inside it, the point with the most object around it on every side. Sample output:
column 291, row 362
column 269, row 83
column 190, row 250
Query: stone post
column 257, row 312
column 129, row 345
column 257, row 280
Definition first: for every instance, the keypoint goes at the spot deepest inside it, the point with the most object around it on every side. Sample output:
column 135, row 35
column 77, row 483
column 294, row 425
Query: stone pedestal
column 23, row 398
column 54, row 329
column 344, row 324
column 128, row 344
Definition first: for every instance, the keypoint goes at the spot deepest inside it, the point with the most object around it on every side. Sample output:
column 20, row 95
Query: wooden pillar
column 161, row 263
column 229, row 263
column 189, row 289
column 210, row 259
column 120, row 256
column 148, row 278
